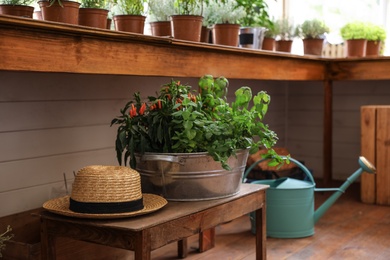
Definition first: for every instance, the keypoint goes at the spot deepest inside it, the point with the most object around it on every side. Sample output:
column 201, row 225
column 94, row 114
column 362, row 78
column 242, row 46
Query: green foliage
column 103, row 4
column 284, row 29
column 257, row 13
column 188, row 7
column 224, row 12
column 354, row 30
column 272, row 30
column 375, row 32
column 5, row 236
column 181, row 120
column 17, row 2
column 312, row 29
column 361, row 30
column 130, row 7
column 161, row 10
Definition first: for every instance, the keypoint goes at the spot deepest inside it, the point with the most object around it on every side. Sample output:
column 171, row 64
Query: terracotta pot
column 93, row 17
column 108, row 24
column 161, row 28
column 205, row 34
column 17, row 10
column 373, row 48
column 67, row 13
column 268, row 44
column 313, row 46
column 283, row 45
column 186, row 27
column 226, row 34
column 356, row 48
column 130, row 23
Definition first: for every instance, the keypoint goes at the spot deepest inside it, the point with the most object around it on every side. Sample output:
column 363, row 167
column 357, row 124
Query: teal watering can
column 290, row 202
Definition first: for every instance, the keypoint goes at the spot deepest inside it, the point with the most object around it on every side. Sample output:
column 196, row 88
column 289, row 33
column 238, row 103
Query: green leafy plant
column 375, row 32
column 226, row 11
column 272, row 30
column 285, row 30
column 188, row 7
column 354, row 30
column 103, row 4
column 161, row 10
column 256, row 13
column 181, row 120
column 17, row 2
column 312, row 29
column 129, row 7
column 5, row 236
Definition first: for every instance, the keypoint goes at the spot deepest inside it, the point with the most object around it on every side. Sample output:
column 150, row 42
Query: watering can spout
column 365, row 166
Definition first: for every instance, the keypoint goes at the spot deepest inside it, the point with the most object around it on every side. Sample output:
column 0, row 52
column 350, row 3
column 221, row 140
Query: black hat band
column 105, row 207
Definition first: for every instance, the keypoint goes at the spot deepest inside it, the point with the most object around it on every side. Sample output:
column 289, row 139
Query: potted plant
column 313, row 34
column 355, row 35
column 286, row 33
column 269, row 37
column 63, row 11
column 94, row 13
column 180, row 124
column 5, row 236
column 186, row 23
column 376, row 35
column 129, row 15
column 21, row 8
column 254, row 24
column 160, row 12
column 225, row 16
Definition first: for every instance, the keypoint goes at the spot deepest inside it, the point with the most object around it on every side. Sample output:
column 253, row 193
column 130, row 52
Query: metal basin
column 190, row 176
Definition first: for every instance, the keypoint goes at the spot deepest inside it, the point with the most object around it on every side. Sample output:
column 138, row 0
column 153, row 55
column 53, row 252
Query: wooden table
column 175, row 222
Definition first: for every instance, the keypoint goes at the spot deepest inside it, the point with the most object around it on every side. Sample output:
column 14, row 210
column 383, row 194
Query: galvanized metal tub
column 190, row 176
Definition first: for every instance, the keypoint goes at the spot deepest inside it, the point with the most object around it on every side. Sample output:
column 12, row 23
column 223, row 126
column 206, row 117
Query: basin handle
column 162, row 157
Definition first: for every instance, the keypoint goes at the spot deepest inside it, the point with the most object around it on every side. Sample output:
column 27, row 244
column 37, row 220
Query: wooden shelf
column 32, row 45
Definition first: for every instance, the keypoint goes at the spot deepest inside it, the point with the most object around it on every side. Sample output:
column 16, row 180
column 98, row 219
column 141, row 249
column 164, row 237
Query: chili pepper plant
column 180, row 119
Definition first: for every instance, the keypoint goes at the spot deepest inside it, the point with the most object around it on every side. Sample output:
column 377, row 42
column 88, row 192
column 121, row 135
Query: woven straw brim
column 61, row 206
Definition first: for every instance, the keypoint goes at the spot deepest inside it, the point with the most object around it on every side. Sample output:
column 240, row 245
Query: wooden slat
column 383, row 155
column 368, row 150
column 54, row 47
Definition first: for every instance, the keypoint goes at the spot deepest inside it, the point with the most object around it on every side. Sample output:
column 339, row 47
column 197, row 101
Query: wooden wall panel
column 47, row 142
column 19, row 174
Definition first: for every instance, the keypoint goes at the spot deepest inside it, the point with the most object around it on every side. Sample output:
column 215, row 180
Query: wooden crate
column 375, row 146
column 25, row 245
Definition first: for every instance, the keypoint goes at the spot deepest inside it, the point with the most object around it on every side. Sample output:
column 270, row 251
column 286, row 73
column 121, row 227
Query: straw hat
column 106, row 192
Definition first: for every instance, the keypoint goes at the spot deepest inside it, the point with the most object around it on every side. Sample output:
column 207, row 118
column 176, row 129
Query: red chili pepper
column 133, row 111
column 142, row 109
column 159, row 104
column 169, row 96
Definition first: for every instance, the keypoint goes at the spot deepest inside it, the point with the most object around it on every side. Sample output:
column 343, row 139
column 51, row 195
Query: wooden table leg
column 206, row 239
column 48, row 243
column 142, row 250
column 261, row 234
column 182, row 248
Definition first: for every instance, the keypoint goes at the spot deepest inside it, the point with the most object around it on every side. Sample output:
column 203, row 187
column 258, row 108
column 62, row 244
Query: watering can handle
column 300, row 165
